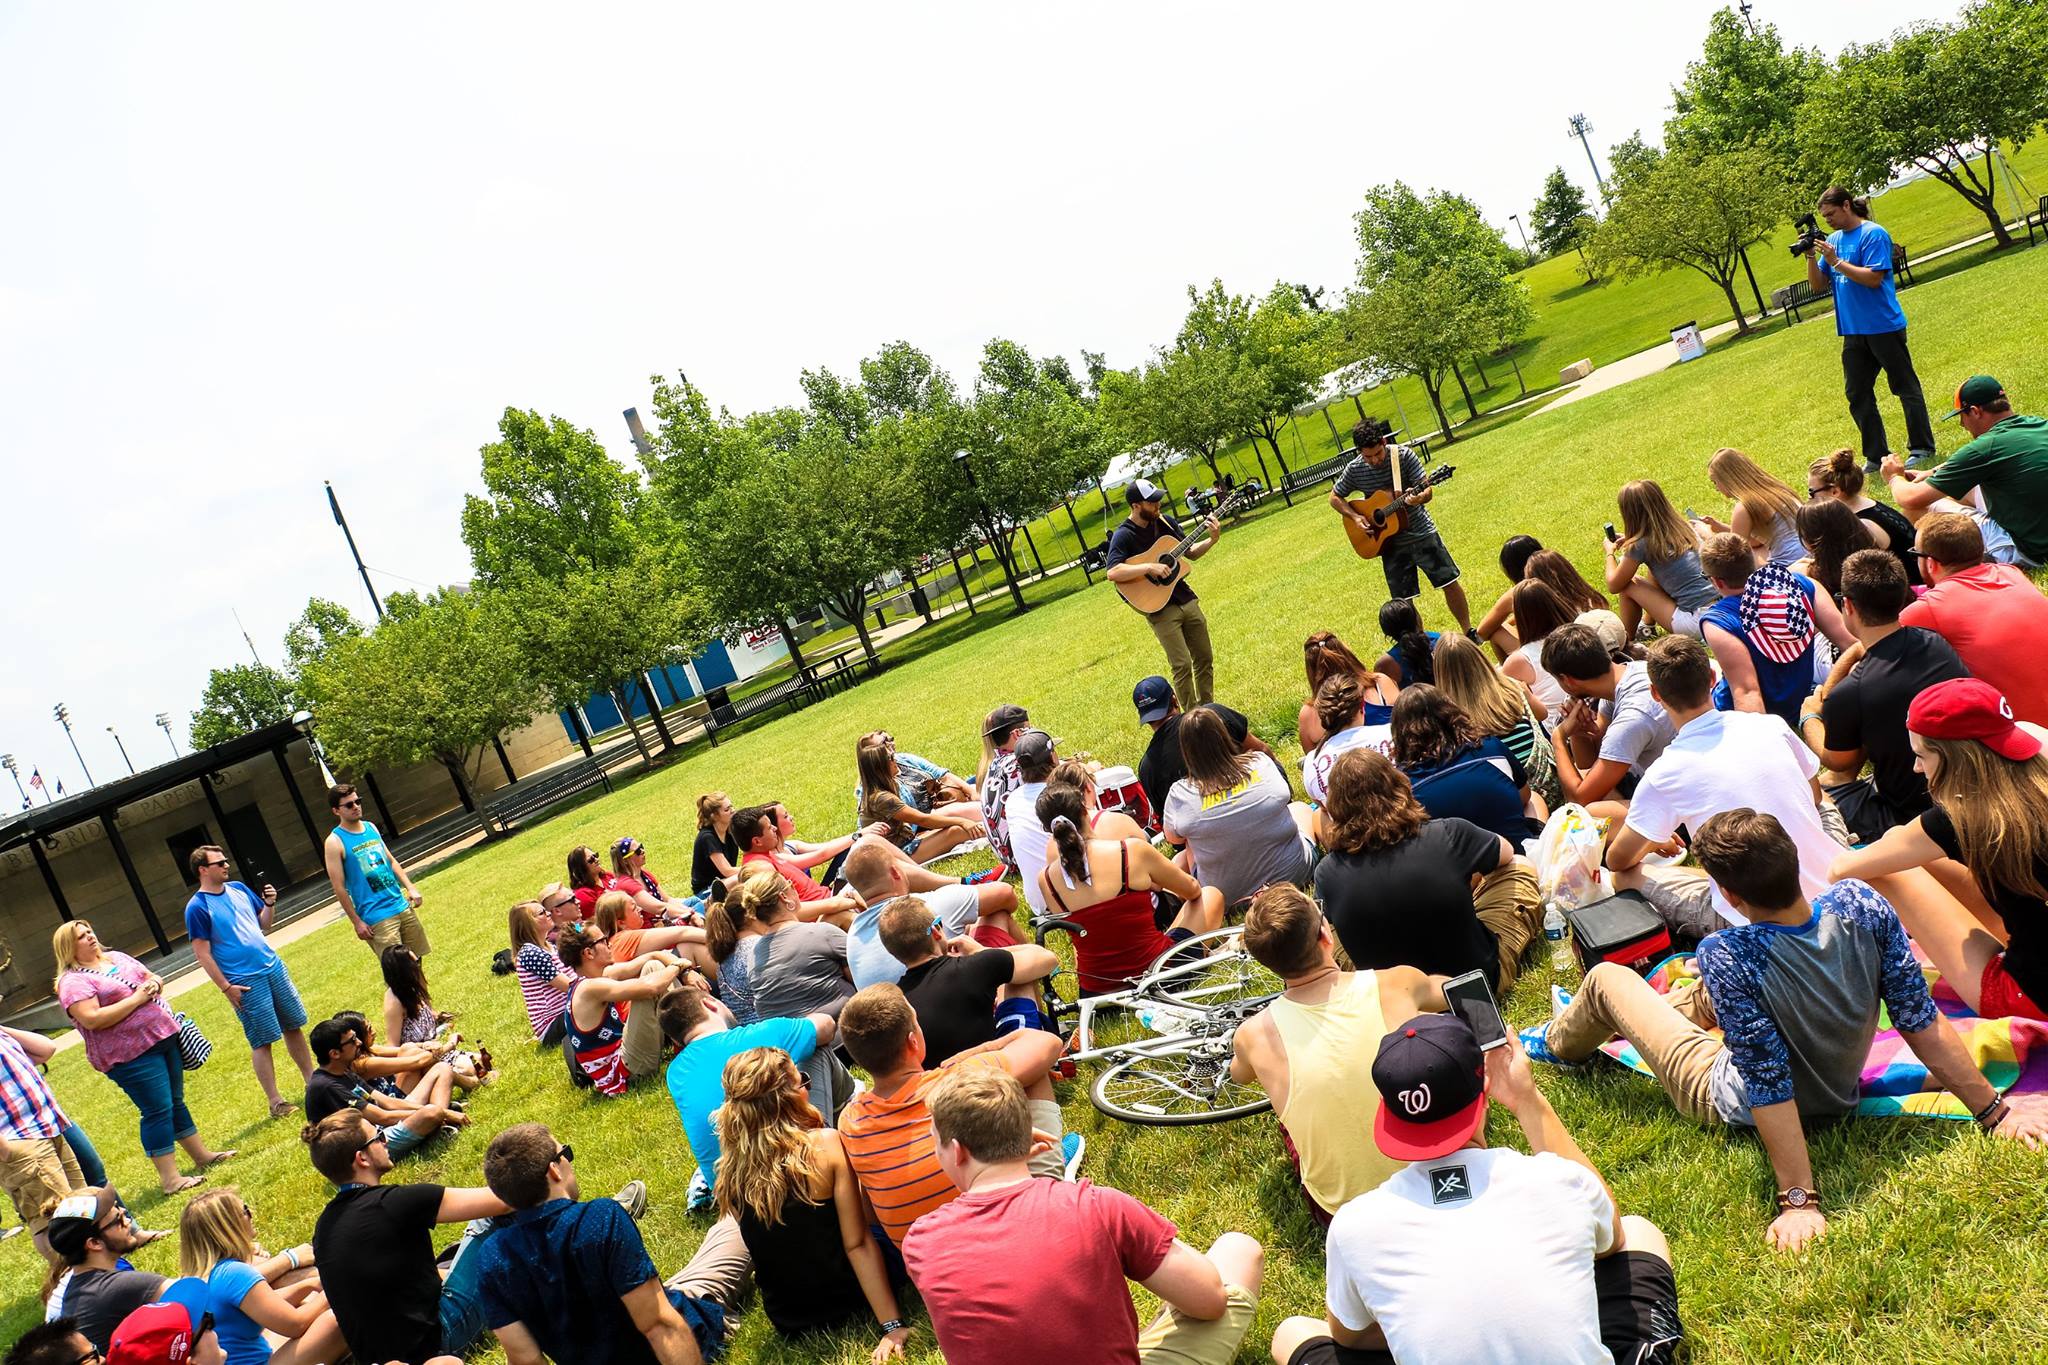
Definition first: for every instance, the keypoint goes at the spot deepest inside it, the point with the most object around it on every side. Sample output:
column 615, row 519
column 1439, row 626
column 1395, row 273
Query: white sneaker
column 1072, row 1145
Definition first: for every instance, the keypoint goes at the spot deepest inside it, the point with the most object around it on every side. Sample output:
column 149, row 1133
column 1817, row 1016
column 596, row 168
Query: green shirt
column 2010, row 463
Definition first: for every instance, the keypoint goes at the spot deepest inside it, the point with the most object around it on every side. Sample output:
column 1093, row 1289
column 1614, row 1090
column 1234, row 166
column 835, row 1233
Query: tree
column 1934, row 96
column 555, row 501
column 1031, row 436
column 1696, row 212
column 1561, row 217
column 238, row 699
column 1630, row 160
column 1745, row 90
column 321, row 626
column 1185, row 399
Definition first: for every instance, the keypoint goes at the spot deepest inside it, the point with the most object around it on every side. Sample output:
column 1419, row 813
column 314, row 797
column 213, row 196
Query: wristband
column 1995, row 1115
column 892, row 1325
column 291, row 1254
column 1996, row 1100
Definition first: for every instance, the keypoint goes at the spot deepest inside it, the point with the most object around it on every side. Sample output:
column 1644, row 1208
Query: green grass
column 1933, row 1250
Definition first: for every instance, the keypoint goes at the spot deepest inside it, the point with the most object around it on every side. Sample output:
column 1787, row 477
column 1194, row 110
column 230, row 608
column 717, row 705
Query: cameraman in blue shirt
column 1855, row 262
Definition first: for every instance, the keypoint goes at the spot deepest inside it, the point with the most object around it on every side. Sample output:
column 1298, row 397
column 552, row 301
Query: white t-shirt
column 1726, row 759
column 1545, row 686
column 1028, row 839
column 1317, row 762
column 957, row 907
column 1485, row 1255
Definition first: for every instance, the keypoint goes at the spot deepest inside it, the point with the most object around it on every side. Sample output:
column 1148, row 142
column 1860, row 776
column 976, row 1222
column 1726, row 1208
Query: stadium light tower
column 63, row 714
column 8, row 762
column 1578, row 126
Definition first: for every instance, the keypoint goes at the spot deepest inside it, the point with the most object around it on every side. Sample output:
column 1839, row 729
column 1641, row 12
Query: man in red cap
column 1474, row 1254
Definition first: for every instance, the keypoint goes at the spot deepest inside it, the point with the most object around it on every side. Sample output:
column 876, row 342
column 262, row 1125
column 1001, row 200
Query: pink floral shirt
column 133, row 1036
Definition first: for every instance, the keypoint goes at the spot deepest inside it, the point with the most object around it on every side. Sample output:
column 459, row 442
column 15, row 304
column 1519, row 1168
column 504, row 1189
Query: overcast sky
column 250, row 247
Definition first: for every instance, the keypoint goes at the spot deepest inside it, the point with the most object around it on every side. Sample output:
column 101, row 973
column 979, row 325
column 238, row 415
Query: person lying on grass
column 1795, row 992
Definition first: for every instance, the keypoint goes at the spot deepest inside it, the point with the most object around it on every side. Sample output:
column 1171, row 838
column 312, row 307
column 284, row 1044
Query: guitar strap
column 1394, row 454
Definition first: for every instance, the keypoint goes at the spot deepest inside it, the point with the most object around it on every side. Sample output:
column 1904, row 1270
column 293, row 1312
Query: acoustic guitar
column 1386, row 511
column 1168, row 555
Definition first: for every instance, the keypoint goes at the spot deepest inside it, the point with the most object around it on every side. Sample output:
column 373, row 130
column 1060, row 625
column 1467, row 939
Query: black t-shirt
column 1411, row 905
column 1894, row 524
column 375, row 1248
column 2026, row 917
column 955, row 1000
column 327, row 1093
column 1867, row 711
column 1162, row 765
column 1132, row 539
column 702, row 873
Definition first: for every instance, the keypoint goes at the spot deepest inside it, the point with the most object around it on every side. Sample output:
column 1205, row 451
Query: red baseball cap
column 1431, row 1076
column 1970, row 708
column 157, row 1334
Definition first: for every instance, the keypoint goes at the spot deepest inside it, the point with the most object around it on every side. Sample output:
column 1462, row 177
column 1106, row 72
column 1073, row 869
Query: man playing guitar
column 1416, row 545
column 1182, row 629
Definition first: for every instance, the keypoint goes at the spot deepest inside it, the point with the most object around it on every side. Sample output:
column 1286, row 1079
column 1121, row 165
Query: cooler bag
column 1624, row 928
column 1118, row 789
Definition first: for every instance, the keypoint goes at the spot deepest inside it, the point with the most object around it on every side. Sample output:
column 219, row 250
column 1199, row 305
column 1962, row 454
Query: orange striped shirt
column 889, row 1143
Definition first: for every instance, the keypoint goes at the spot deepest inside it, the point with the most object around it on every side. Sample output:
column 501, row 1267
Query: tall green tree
column 1744, row 90
column 1696, row 212
column 1630, row 160
column 553, row 501
column 1934, row 96
column 1031, row 436
column 241, row 698
column 1561, row 217
column 1187, row 399
column 318, row 629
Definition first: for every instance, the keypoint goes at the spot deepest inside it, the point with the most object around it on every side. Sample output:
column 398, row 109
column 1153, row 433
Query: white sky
column 248, row 247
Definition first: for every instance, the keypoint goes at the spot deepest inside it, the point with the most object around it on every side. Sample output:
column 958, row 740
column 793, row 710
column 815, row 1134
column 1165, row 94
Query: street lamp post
column 123, row 748
column 965, row 461
column 163, row 720
column 63, row 714
column 1516, row 219
column 14, row 771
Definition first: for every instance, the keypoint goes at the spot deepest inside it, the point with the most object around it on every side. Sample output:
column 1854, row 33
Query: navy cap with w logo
column 1432, row 1082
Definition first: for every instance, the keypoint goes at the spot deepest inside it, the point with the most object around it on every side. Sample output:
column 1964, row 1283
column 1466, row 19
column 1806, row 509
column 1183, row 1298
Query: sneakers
column 986, row 875
column 1072, row 1145
column 699, row 1196
column 1536, row 1042
column 633, row 1195
column 1914, row 459
column 1559, row 998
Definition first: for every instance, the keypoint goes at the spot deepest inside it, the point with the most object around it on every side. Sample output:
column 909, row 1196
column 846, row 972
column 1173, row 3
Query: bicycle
column 1193, row 998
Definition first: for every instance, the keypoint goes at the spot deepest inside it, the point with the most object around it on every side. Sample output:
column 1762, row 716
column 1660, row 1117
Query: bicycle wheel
column 1175, row 1089
column 1228, row 975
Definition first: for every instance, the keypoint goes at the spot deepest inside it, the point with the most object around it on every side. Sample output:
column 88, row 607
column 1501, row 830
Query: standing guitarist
column 1182, row 629
column 1416, row 545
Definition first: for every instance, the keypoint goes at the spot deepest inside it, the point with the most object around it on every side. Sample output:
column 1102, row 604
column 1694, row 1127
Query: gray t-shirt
column 1681, row 578
column 1637, row 727
column 797, row 970
column 1360, row 477
column 1243, row 838
column 97, row 1300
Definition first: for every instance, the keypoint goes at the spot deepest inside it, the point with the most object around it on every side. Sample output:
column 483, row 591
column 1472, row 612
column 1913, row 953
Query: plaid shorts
column 270, row 1006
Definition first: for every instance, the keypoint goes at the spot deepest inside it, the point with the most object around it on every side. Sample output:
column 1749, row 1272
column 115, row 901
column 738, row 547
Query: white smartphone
column 1471, row 999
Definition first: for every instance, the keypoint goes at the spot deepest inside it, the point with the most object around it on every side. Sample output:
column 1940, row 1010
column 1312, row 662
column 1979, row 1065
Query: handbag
column 193, row 1046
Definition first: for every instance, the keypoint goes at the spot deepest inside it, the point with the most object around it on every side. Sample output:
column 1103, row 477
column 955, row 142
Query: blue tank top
column 1784, row 686
column 600, row 1051
column 366, row 871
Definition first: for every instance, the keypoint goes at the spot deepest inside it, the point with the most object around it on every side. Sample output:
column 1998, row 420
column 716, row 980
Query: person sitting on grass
column 374, row 1243
column 762, row 843
column 964, row 993
column 634, row 937
column 887, row 1128
column 926, row 787
column 1763, row 630
column 411, row 1021
column 1765, row 512
column 630, row 875
column 986, row 911
column 797, row 968
column 924, row 836
column 1539, row 610
column 1831, row 533
column 1346, row 721
column 1308, row 1050
column 543, row 980
column 405, row 1120
column 1324, row 656
column 1654, row 537
column 1493, row 628
column 248, row 1295
column 1410, row 650
column 1399, row 887
column 715, row 856
column 2000, row 476
column 612, row 1048
column 1498, row 706
column 570, row 1280
column 1454, row 772
column 784, row 1179
column 1234, row 812
column 1611, row 720
column 1161, row 765
column 1106, row 885
column 1000, row 731
column 1992, row 615
column 378, row 1065
column 91, row 1282
column 1839, row 477
column 990, row 1309
column 1988, row 777
column 1862, row 717
column 1483, row 1255
column 58, row 1342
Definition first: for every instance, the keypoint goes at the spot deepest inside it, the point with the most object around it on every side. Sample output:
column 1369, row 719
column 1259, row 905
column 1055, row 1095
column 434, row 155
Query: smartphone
column 1471, row 999
column 1611, row 536
column 1691, row 515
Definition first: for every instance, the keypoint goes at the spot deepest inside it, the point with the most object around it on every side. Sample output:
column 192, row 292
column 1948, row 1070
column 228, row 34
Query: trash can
column 922, row 603
column 1686, row 336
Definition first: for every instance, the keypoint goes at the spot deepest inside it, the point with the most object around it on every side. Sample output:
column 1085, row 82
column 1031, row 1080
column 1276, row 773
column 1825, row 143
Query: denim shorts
column 399, row 1139
column 270, row 1006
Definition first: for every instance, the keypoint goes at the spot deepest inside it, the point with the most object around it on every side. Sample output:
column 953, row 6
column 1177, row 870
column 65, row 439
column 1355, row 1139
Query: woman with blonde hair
column 784, row 1178
column 618, row 916
column 1654, row 537
column 543, row 981
column 715, row 857
column 1839, row 477
column 117, row 1004
column 1764, row 505
column 1499, row 707
column 248, row 1297
column 1988, row 775
column 1323, row 656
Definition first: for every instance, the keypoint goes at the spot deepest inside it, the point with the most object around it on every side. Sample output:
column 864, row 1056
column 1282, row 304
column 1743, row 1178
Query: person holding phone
column 226, row 922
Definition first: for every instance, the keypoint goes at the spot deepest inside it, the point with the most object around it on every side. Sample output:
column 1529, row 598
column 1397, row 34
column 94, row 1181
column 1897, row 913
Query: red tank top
column 1122, row 940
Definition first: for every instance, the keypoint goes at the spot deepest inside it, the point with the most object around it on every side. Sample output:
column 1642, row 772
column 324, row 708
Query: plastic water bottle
column 1553, row 930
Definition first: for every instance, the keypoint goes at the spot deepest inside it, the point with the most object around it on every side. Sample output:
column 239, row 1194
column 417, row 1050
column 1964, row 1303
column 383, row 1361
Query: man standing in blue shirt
column 1855, row 262
column 368, row 880
column 226, row 922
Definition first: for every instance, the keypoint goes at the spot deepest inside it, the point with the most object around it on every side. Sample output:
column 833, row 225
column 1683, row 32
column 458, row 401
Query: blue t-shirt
column 367, row 872
column 562, row 1269
column 696, row 1078
column 232, row 922
column 221, row 1294
column 1481, row 784
column 1861, row 309
column 1784, row 686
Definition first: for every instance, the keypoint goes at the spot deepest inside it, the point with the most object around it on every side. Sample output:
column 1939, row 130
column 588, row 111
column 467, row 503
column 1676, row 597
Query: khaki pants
column 1184, row 634
column 403, row 927
column 1173, row 1338
column 641, row 1046
column 1670, row 1031
column 37, row 1173
column 721, row 1270
column 1508, row 904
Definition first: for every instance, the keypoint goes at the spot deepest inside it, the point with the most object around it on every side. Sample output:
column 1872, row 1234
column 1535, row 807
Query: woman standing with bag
column 117, row 1004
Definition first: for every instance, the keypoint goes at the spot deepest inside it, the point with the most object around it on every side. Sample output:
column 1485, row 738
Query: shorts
column 1176, row 1339
column 1999, row 996
column 399, row 1139
column 1019, row 1013
column 1685, row 622
column 37, row 1173
column 1638, row 1297
column 270, row 1006
column 957, row 907
column 1413, row 550
column 403, row 927
column 1866, row 813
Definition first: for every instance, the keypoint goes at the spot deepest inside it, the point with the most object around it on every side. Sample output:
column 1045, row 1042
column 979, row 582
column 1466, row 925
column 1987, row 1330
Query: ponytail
column 1841, row 471
column 722, row 930
column 1063, row 809
column 1338, row 702
column 1403, row 625
column 1835, row 196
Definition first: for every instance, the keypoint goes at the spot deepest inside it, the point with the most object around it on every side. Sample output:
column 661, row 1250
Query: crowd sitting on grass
column 1807, row 733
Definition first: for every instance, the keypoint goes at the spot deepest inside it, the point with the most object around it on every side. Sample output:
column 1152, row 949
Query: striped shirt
column 600, row 1051
column 545, row 1001
column 28, row 1111
column 890, row 1147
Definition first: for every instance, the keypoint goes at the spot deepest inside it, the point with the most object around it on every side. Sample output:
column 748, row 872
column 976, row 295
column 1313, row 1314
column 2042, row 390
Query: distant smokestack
column 640, row 441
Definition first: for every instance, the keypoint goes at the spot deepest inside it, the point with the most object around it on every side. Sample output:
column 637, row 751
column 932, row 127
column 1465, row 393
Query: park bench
column 2037, row 221
column 724, row 713
column 525, row 801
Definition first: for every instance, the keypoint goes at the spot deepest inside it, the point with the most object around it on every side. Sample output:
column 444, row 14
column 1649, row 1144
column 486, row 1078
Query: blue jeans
column 462, row 1307
column 155, row 1081
column 89, row 1164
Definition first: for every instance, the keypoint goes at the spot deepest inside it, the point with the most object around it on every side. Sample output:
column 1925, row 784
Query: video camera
column 1809, row 235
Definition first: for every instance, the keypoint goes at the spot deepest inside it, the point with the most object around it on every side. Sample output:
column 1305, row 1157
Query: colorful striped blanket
column 2012, row 1053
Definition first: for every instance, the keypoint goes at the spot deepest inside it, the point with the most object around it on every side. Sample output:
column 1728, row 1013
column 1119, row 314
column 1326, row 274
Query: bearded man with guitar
column 1147, row 553
column 1394, row 528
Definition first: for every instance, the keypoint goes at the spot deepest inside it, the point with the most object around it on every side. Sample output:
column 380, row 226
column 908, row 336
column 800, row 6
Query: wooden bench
column 526, row 801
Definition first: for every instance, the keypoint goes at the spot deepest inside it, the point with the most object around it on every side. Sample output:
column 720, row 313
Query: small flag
column 1775, row 616
column 35, row 778
column 60, row 786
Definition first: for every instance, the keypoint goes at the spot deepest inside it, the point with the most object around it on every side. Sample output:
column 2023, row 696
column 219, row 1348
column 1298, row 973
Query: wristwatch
column 1799, row 1198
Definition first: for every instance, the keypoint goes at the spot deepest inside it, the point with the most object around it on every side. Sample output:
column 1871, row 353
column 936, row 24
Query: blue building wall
column 671, row 685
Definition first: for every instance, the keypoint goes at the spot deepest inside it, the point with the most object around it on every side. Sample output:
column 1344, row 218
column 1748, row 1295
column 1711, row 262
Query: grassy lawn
column 1933, row 1250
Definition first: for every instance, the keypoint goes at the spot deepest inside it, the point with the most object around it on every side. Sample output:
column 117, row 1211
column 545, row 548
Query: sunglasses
column 565, row 1153
column 353, row 803
column 563, row 903
column 248, row 1212
column 92, row 1356
column 215, row 862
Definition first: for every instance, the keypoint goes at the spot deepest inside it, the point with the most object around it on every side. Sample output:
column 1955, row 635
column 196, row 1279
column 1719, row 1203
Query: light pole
column 63, row 714
column 163, row 720
column 123, row 748
column 1516, row 219
column 965, row 461
column 334, row 505
column 14, row 771
column 1748, row 18
column 1578, row 126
